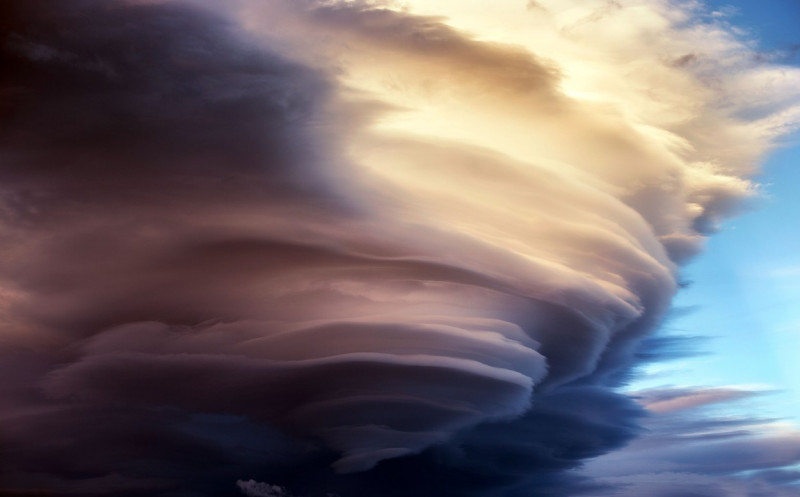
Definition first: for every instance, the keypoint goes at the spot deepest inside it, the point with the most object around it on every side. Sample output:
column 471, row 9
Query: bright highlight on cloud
column 363, row 248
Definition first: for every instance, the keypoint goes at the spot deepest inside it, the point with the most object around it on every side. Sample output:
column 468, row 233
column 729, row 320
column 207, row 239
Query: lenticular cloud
column 332, row 245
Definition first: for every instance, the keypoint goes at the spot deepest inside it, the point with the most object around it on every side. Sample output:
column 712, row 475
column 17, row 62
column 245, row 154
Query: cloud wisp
column 694, row 445
column 352, row 247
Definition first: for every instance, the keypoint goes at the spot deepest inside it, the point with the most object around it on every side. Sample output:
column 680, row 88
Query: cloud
column 669, row 400
column 253, row 488
column 679, row 484
column 333, row 244
column 691, row 446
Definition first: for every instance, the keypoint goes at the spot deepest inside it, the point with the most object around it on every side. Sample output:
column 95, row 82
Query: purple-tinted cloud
column 221, row 266
column 690, row 448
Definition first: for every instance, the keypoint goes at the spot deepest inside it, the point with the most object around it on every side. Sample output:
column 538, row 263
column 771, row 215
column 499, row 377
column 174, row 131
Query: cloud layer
column 329, row 245
column 692, row 447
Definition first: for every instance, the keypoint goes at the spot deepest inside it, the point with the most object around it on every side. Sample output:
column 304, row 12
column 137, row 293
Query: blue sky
column 773, row 23
column 743, row 294
column 745, row 288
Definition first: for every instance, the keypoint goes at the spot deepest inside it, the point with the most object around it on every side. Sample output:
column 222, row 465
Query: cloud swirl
column 328, row 245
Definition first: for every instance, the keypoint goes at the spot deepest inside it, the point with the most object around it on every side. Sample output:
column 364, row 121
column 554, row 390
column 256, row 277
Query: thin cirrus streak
column 352, row 247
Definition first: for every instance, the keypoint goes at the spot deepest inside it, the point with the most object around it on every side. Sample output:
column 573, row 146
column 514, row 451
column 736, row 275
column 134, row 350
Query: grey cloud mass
column 237, row 257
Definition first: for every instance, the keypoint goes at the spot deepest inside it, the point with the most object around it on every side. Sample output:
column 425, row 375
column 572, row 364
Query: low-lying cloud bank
column 695, row 446
column 353, row 247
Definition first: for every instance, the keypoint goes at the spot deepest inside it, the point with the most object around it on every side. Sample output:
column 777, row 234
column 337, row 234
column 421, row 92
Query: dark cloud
column 207, row 290
column 130, row 130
